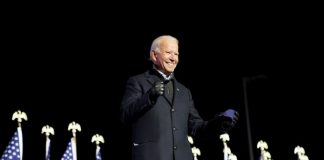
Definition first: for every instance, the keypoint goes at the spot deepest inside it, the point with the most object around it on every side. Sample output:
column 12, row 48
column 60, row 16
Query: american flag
column 68, row 154
column 98, row 154
column 12, row 151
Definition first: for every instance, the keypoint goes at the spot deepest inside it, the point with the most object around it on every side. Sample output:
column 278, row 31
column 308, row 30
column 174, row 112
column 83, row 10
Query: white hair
column 157, row 42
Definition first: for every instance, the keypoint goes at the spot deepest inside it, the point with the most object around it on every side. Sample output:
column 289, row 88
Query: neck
column 167, row 76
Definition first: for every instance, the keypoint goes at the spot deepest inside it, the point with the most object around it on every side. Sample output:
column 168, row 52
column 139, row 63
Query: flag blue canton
column 68, row 155
column 12, row 151
column 98, row 156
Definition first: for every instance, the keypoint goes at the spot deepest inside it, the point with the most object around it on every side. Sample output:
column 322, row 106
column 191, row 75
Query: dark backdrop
column 60, row 69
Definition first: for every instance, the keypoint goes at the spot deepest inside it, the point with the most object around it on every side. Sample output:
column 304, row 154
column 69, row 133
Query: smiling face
column 166, row 55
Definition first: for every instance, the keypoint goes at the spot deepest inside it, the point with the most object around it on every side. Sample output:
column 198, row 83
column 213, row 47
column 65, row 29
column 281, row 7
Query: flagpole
column 20, row 137
column 47, row 150
column 245, row 81
column 20, row 116
column 74, row 150
column 97, row 150
column 265, row 155
column 47, row 130
column 225, row 137
column 195, row 151
column 97, row 138
column 74, row 127
column 300, row 151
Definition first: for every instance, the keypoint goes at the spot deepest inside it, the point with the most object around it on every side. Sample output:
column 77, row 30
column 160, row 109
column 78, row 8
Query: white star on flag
column 68, row 154
column 12, row 151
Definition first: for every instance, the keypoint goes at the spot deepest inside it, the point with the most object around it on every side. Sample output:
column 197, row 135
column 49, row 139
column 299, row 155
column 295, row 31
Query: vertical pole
column 248, row 127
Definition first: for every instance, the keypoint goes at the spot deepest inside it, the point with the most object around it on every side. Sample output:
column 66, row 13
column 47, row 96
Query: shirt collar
column 165, row 77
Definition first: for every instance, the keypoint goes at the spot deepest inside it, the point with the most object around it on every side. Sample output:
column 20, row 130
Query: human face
column 167, row 58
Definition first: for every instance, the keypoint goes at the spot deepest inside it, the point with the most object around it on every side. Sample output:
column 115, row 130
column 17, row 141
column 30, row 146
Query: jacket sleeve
column 196, row 124
column 135, row 101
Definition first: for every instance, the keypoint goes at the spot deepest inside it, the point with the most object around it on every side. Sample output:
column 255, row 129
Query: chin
column 169, row 72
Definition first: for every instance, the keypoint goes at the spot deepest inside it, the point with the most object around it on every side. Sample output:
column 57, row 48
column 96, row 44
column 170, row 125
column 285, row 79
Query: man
column 161, row 111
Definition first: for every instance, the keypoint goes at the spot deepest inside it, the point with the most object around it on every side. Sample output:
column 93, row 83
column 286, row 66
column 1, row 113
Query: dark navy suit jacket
column 159, row 130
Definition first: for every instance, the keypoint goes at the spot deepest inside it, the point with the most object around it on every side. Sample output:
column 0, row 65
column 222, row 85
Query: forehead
column 170, row 44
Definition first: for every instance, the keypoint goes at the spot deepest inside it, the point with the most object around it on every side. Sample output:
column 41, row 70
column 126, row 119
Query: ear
column 153, row 56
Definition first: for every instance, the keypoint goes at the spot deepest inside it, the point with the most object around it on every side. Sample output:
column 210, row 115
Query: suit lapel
column 151, row 78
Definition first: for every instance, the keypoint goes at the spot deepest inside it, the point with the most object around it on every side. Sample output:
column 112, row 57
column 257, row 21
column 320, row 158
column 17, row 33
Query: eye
column 170, row 52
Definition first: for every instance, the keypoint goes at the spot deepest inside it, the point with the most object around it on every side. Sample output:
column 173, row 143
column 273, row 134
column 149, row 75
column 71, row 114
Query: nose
column 172, row 56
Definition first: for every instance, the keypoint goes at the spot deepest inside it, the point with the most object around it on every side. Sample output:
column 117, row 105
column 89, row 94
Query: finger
column 235, row 118
column 234, row 121
column 237, row 114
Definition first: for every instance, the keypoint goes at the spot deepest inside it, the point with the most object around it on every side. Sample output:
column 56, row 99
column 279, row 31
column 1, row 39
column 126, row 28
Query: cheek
column 176, row 60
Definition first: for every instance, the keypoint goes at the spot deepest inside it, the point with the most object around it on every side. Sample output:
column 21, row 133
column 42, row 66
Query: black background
column 60, row 68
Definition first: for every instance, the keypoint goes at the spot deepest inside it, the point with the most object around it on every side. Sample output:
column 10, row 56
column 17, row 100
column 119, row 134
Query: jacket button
column 172, row 109
column 174, row 128
column 175, row 147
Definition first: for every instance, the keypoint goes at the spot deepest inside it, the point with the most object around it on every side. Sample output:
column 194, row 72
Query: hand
column 230, row 118
column 157, row 90
column 231, row 114
column 223, row 121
